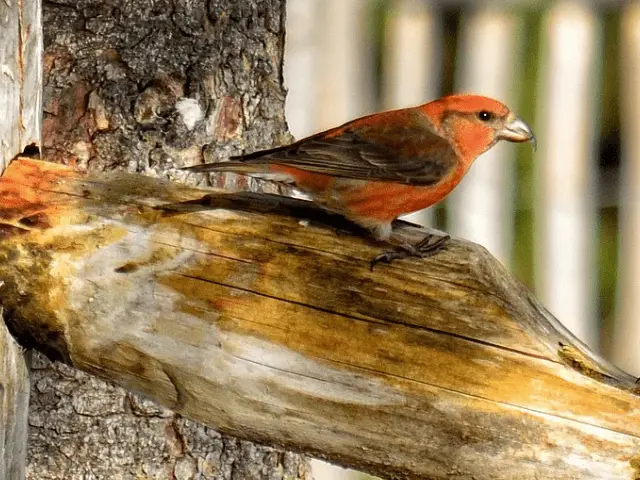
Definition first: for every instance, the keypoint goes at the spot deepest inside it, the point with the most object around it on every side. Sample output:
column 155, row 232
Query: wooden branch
column 232, row 312
column 14, row 406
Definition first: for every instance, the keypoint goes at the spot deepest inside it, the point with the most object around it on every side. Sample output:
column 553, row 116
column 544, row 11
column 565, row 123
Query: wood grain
column 14, row 406
column 20, row 78
column 20, row 123
column 252, row 314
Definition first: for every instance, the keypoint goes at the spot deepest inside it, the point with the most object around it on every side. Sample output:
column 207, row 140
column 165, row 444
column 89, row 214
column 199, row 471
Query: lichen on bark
column 146, row 86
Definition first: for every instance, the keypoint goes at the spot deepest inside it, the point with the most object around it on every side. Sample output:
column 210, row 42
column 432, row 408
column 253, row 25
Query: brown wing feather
column 405, row 152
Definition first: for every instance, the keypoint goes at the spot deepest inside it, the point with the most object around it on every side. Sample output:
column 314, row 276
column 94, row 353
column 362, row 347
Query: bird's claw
column 388, row 257
column 423, row 249
column 426, row 249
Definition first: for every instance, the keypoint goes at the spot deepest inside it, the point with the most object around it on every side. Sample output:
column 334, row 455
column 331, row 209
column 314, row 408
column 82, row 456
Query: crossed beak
column 516, row 130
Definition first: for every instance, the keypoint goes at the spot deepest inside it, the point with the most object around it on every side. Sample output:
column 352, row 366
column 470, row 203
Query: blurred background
column 565, row 219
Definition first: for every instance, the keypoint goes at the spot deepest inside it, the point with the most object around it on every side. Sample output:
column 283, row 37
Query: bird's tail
column 235, row 167
column 253, row 169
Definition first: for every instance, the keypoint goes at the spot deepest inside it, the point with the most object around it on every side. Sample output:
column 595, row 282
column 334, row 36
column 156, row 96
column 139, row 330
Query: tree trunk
column 145, row 86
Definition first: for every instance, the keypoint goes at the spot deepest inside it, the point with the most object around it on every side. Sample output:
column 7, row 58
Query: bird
column 376, row 168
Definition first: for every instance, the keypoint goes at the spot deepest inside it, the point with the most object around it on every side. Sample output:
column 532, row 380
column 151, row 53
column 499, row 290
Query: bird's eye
column 485, row 116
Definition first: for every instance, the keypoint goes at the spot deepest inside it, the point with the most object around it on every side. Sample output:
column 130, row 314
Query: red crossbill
column 375, row 168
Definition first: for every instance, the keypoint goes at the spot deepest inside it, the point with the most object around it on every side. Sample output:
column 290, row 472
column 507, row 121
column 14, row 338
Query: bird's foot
column 423, row 249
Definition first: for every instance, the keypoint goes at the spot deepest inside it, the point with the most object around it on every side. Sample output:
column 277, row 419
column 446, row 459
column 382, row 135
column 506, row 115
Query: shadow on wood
column 274, row 329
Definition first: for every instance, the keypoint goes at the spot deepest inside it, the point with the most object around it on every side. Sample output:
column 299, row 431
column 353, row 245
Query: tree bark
column 273, row 328
column 145, row 86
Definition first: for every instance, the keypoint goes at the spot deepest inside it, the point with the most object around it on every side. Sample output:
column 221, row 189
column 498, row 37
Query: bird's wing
column 409, row 154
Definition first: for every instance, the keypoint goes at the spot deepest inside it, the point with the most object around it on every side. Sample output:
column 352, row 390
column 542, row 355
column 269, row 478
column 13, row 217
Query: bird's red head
column 474, row 123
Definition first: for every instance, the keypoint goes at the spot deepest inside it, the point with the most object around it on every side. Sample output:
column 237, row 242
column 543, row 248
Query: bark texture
column 83, row 427
column 145, row 86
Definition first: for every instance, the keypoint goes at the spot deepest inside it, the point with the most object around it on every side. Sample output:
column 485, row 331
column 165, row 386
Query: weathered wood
column 14, row 406
column 20, row 77
column 274, row 329
column 20, row 121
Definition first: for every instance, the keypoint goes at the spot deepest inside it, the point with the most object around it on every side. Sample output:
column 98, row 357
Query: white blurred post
column 626, row 346
column 345, row 75
column 412, row 63
column 326, row 471
column 481, row 209
column 565, row 213
column 300, row 66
